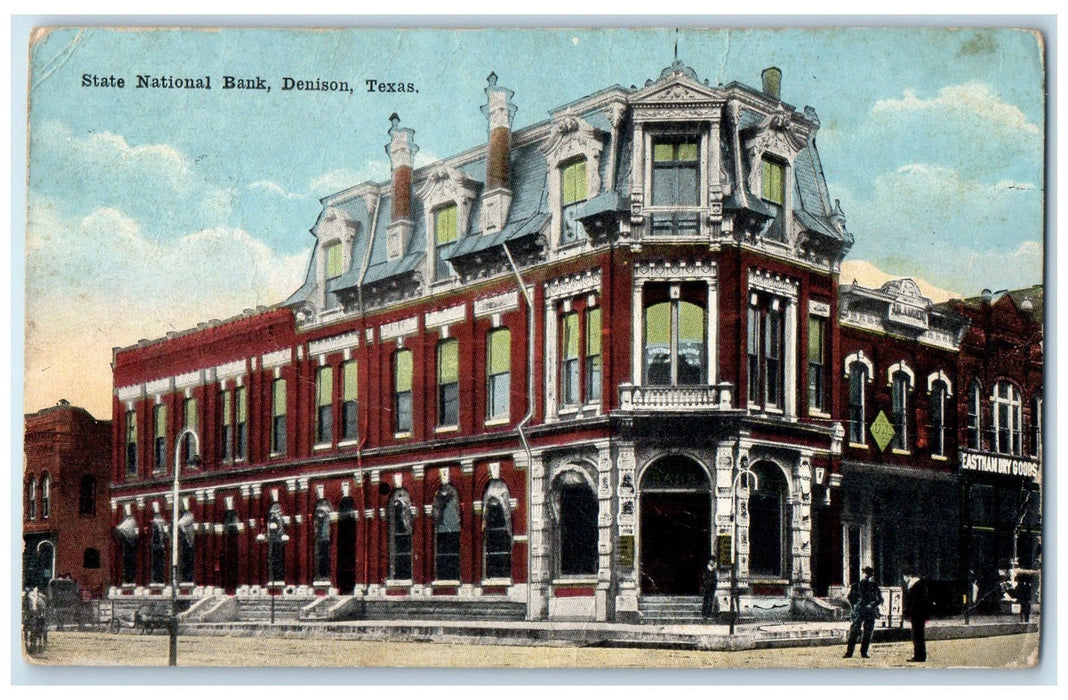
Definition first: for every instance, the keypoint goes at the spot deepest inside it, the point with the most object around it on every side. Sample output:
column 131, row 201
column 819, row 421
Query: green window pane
column 402, row 371
column 242, row 404
column 815, row 339
column 161, row 420
column 227, row 407
column 449, row 362
column 445, row 224
column 691, row 322
column 663, row 152
column 658, row 324
column 324, row 386
column 593, row 332
column 686, row 151
column 190, row 407
column 334, row 261
column 279, row 397
column 772, row 182
column 500, row 351
column 131, row 426
column 350, row 380
column 574, row 182
column 571, row 336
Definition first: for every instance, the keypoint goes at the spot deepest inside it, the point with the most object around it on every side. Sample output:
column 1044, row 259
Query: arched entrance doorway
column 676, row 526
column 230, row 552
column 768, row 520
column 346, row 546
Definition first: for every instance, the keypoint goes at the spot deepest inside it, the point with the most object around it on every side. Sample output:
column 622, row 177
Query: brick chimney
column 401, row 149
column 771, row 80
column 497, row 197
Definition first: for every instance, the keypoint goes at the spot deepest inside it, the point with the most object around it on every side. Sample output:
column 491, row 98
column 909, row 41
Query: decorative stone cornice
column 773, row 282
column 674, row 270
column 334, row 343
column 573, row 285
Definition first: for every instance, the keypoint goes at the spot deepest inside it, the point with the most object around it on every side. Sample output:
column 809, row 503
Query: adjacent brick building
column 66, row 522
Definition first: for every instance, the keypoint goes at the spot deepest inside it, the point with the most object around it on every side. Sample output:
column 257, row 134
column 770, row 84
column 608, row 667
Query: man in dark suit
column 917, row 610
column 865, row 599
column 708, row 590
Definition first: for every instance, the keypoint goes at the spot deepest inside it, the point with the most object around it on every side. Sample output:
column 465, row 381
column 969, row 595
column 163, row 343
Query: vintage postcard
column 662, row 348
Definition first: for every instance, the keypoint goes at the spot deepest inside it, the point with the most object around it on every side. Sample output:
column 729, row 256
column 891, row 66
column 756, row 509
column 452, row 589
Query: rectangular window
column 593, row 355
column 324, row 406
column 773, row 181
column 241, row 434
column 573, row 191
column 349, row 402
column 569, row 360
column 675, row 334
column 445, row 231
column 899, row 399
column 498, row 373
column 402, row 391
column 448, row 383
column 817, row 347
column 938, row 419
column 858, row 377
column 1036, row 426
column 334, row 261
column 159, row 422
column 226, row 425
column 189, row 445
column 278, row 417
column 975, row 399
column 765, row 347
column 676, row 178
column 131, row 443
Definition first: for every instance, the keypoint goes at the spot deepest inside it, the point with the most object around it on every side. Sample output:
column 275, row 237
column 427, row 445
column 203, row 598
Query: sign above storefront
column 998, row 464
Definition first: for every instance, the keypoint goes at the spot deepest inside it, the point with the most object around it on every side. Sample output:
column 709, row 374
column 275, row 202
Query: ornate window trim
column 336, row 227
column 900, row 367
column 571, row 138
column 445, row 185
column 860, row 357
column 939, row 376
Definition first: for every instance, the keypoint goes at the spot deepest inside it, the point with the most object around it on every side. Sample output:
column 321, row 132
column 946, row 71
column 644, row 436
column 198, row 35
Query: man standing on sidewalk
column 865, row 598
column 917, row 609
column 708, row 590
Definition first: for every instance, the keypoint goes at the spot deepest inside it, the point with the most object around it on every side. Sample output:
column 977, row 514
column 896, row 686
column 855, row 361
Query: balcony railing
column 675, row 398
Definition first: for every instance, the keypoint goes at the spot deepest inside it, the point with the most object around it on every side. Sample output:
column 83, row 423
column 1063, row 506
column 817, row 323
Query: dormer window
column 335, row 262
column 676, row 178
column 445, row 231
column 573, row 191
column 773, row 181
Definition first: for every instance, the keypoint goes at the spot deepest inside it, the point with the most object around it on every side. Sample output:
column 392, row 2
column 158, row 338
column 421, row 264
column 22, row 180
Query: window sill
column 583, row 580
column 492, row 422
column 445, row 583
column 401, row 436
column 322, row 446
column 276, row 455
column 940, row 458
column 447, row 429
column 496, row 582
column 819, row 414
column 398, row 583
column 348, row 443
column 900, row 452
column 858, row 446
column 569, row 410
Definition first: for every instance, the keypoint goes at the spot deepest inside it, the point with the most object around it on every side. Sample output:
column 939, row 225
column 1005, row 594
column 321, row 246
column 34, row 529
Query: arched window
column 399, row 513
column 46, row 496
column 322, row 540
column 159, row 556
column 938, row 394
column 186, row 533
column 900, row 382
column 447, row 535
column 231, row 551
column 675, row 334
column 87, row 496
column 346, row 545
column 1007, row 418
column 31, row 499
column 276, row 544
column 497, row 531
column 91, row 558
column 767, row 521
column 975, row 411
column 574, row 510
column 126, row 532
column 858, row 378
column 190, row 413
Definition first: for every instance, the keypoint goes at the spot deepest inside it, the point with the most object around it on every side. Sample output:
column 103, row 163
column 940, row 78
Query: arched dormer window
column 336, row 233
column 573, row 151
column 447, row 193
column 771, row 150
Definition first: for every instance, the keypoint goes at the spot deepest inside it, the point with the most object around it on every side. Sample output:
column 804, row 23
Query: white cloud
column 969, row 101
column 275, row 189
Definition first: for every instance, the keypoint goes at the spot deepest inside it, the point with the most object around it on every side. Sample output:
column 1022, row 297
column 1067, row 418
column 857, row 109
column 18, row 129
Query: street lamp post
column 743, row 470
column 173, row 657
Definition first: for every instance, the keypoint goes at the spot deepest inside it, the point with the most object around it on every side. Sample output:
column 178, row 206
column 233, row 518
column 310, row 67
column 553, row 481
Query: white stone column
column 605, row 518
column 626, row 524
column 790, row 404
column 801, row 528
column 539, row 575
column 551, row 369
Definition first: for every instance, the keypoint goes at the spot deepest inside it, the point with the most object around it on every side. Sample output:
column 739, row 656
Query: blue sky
column 151, row 210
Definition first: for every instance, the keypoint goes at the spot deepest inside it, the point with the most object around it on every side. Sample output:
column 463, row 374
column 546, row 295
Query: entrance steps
column 258, row 609
column 670, row 609
column 482, row 608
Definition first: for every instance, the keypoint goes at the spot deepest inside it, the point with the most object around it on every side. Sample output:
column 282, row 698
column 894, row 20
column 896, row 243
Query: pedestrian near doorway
column 1023, row 596
column 917, row 610
column 708, row 590
column 865, row 599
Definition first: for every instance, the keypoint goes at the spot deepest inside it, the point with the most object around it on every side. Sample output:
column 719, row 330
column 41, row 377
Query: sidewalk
column 750, row 635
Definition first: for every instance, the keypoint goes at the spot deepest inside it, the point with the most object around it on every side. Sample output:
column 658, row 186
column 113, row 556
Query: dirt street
column 99, row 649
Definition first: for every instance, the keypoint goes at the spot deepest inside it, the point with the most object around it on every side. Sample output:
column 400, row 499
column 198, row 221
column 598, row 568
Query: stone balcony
column 675, row 398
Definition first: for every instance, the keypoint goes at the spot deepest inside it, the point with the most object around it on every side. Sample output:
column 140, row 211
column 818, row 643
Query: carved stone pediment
column 447, row 184
column 677, row 97
column 336, row 224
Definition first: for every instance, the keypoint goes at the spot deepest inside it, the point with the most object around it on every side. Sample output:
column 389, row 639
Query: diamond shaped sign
column 882, row 430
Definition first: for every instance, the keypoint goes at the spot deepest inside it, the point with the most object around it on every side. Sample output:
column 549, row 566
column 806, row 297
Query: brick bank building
column 549, row 378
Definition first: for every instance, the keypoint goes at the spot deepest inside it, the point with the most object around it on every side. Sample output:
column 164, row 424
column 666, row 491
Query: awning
column 127, row 530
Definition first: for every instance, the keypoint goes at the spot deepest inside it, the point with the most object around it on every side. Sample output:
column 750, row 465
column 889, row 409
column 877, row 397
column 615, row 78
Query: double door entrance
column 675, row 532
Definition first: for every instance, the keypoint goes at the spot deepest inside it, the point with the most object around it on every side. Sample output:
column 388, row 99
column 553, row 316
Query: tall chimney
column 497, row 197
column 401, row 149
column 772, row 80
